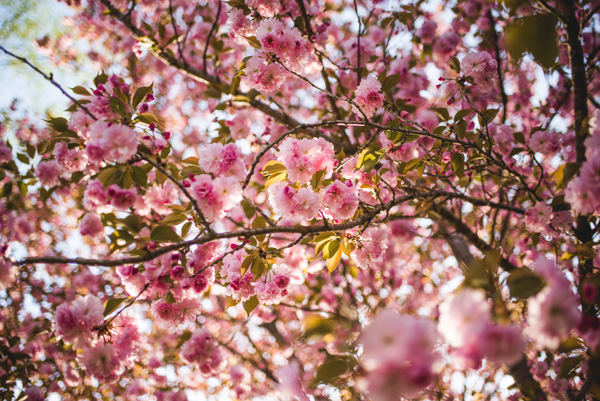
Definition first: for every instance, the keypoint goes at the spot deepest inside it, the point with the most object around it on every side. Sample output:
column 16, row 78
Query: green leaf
column 455, row 65
column 109, row 176
column 117, row 106
column 174, row 219
column 258, row 268
column 368, row 159
column 565, row 173
column 59, row 124
column 390, row 82
column 80, row 90
column 259, row 222
column 461, row 128
column 186, row 228
column 322, row 239
column 490, row 114
column 101, row 78
column 140, row 177
column 272, row 167
column 458, row 164
column 332, row 369
column 23, row 158
column 569, row 365
column 317, row 179
column 331, row 248
column 524, row 283
column 251, row 304
column 186, row 335
column 140, row 95
column 112, row 304
column 249, row 210
column 164, row 234
column 334, row 260
column 247, row 263
column 442, row 113
column 461, row 114
column 274, row 171
column 535, row 34
column 316, row 325
column 253, row 41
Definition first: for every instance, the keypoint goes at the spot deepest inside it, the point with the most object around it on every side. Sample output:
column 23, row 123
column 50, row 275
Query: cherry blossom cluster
column 105, row 356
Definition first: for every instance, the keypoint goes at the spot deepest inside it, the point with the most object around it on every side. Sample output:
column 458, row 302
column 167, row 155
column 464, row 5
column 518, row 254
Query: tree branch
column 50, row 78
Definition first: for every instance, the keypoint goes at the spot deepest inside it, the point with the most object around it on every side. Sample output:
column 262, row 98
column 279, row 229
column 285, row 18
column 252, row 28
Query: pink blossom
column 239, row 25
column 398, row 354
column 341, row 199
column 121, row 198
column 222, row 160
column 203, row 351
column 71, row 160
column 303, row 204
column 160, row 197
column 167, row 312
column 538, row 217
column 268, row 33
column 102, row 362
column 75, row 323
column 580, row 196
column 503, row 138
column 281, row 198
column 47, row 172
column 552, row 314
column 91, row 225
column 5, row 153
column 113, row 142
column 307, row 204
column 545, row 142
column 554, row 311
column 482, row 68
column 502, row 344
column 289, row 381
column 264, row 77
column 204, row 255
column 368, row 96
column 463, row 316
column 266, row 8
column 371, row 249
column 216, row 197
column 302, row 158
column 427, row 31
column 95, row 196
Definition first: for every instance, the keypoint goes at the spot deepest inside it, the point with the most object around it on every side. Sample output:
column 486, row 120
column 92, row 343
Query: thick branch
column 201, row 76
column 247, row 233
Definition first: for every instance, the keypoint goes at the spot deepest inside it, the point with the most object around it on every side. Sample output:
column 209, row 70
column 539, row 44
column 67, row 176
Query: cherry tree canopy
column 307, row 200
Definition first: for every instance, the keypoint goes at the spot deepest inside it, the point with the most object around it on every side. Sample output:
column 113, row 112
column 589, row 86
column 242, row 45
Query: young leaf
column 164, row 234
column 112, row 304
column 251, row 304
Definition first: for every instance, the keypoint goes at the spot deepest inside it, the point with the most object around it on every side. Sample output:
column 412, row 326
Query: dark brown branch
column 471, row 237
column 200, row 76
column 210, row 33
column 367, row 216
column 174, row 25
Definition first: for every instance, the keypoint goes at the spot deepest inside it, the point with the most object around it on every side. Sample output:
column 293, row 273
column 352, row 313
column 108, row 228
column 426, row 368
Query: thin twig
column 179, row 185
column 50, row 78
column 210, row 33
